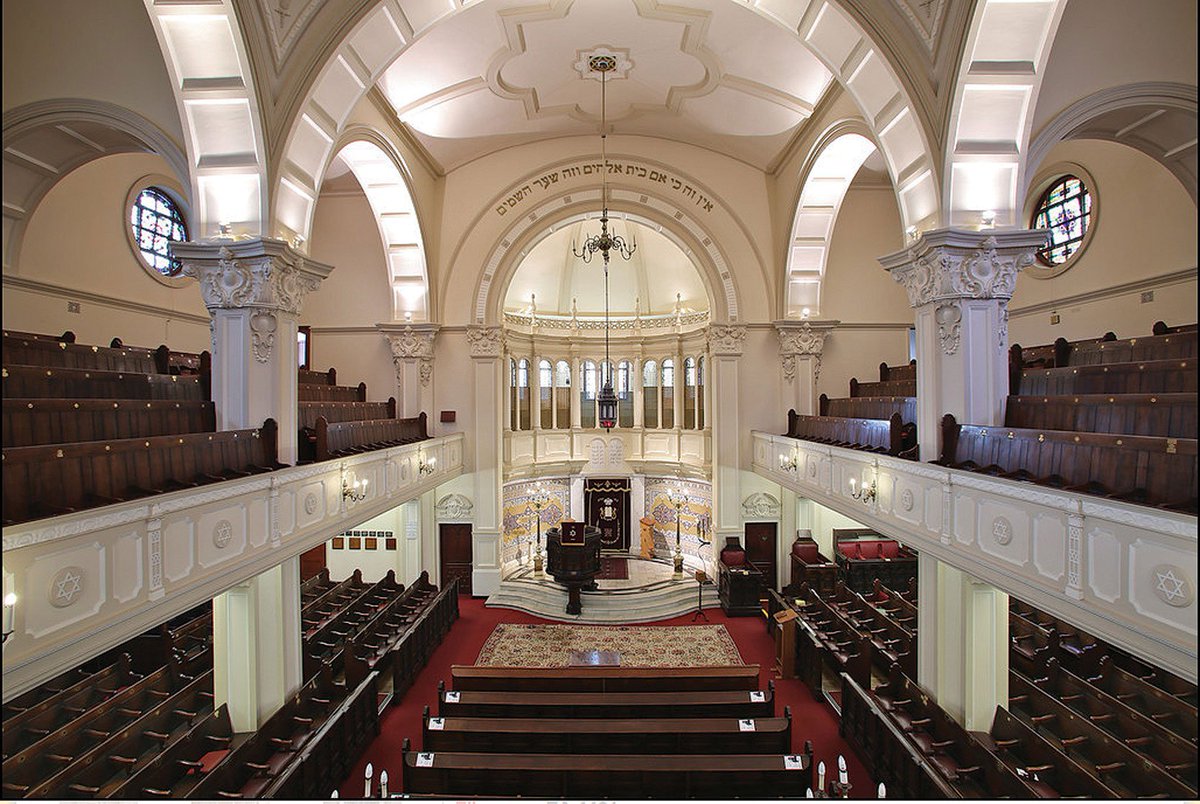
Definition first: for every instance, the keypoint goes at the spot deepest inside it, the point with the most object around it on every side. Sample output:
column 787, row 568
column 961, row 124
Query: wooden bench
column 1132, row 414
column 1148, row 470
column 20, row 351
column 899, row 608
column 331, row 635
column 347, row 438
column 883, row 388
column 864, row 556
column 30, row 422
column 1175, row 346
column 333, row 412
column 889, row 436
column 891, row 644
column 62, row 478
column 811, row 567
column 604, row 679
column 1161, row 328
column 1048, row 355
column 869, row 407
column 36, row 382
column 331, row 393
column 1159, row 705
column 825, row 641
column 41, row 692
column 593, row 705
column 168, row 361
column 1103, row 756
column 607, row 776
column 309, row 377
column 906, row 371
column 677, row 735
column 175, row 772
column 1046, row 770
column 68, row 336
column 1145, row 377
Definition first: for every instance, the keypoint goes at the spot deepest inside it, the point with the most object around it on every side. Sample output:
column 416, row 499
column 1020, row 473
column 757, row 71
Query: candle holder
column 677, row 499
column 10, row 611
column 539, row 500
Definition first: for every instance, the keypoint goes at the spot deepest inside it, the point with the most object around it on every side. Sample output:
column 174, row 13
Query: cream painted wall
column 1109, row 43
column 101, row 50
column 76, row 241
column 373, row 563
column 1145, row 228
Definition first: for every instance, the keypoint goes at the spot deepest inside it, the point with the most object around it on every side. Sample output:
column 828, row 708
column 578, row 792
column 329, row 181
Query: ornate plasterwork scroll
column 263, row 273
column 761, row 506
column 485, row 341
column 413, row 343
column 727, row 339
column 453, row 508
column 802, row 338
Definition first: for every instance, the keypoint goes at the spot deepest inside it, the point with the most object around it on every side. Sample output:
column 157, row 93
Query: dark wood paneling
column 455, row 542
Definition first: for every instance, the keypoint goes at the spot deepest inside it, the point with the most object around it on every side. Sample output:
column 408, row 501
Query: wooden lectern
column 785, row 642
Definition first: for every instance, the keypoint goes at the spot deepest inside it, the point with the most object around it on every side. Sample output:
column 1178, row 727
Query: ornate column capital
column 947, row 265
column 262, row 273
column 411, row 342
column 485, row 341
column 803, row 337
column 726, row 339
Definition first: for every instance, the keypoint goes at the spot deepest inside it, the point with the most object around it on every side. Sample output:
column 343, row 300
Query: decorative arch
column 46, row 140
column 824, row 179
column 205, row 56
column 991, row 114
column 384, row 179
column 384, row 33
column 1168, row 108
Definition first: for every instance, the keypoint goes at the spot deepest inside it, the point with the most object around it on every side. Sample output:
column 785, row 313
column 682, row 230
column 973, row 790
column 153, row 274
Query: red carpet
column 613, row 569
column 810, row 720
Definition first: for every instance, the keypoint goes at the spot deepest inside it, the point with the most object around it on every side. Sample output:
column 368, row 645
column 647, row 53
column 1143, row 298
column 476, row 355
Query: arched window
column 545, row 389
column 512, row 394
column 668, row 394
column 562, row 395
column 1066, row 210
column 523, row 394
column 700, row 412
column 587, row 394
column 689, row 393
column 623, row 385
column 155, row 220
column 650, row 394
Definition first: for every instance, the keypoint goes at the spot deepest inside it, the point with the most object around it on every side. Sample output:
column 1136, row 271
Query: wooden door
column 455, row 543
column 607, row 504
column 761, row 550
column 312, row 561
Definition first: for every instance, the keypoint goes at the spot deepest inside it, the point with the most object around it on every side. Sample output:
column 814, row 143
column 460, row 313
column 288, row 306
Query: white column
column 412, row 356
column 637, row 510
column 726, row 343
column 576, row 386
column 423, row 554
column 959, row 283
column 253, row 290
column 577, row 512
column 487, row 350
column 535, row 395
column 800, row 346
column 639, row 406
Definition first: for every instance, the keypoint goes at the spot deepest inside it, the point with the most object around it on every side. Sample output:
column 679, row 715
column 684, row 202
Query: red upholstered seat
column 891, row 549
column 733, row 556
column 868, row 550
column 808, row 552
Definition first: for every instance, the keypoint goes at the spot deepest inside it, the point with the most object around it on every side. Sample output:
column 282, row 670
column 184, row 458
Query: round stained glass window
column 1066, row 210
column 156, row 220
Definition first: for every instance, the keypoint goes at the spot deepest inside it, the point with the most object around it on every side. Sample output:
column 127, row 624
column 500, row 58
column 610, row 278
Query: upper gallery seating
column 86, row 426
column 1111, row 417
column 338, row 420
column 877, row 417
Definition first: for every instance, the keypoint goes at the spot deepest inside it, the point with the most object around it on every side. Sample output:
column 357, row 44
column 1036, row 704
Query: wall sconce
column 789, row 463
column 866, row 493
column 425, row 467
column 10, row 611
column 354, row 492
column 987, row 219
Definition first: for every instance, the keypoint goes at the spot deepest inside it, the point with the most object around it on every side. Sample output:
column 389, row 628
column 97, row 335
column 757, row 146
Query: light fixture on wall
column 354, row 492
column 789, row 462
column 10, row 612
column 677, row 498
column 425, row 466
column 605, row 242
column 538, row 500
column 866, row 493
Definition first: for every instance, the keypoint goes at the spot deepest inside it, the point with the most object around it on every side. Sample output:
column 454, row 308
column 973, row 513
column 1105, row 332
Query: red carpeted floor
column 811, row 720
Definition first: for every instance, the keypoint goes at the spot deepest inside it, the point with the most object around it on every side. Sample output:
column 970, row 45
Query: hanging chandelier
column 604, row 243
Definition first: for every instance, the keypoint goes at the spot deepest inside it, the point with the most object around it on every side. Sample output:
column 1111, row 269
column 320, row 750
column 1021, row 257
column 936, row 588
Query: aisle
column 810, row 720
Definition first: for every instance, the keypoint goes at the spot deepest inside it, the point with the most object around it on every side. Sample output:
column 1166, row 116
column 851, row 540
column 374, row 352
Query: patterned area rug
column 613, row 569
column 513, row 645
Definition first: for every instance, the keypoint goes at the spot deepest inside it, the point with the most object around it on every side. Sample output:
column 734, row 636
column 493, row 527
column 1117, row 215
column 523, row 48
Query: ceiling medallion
column 601, row 60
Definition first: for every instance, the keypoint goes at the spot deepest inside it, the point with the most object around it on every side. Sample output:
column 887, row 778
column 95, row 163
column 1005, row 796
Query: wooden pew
column 1162, row 747
column 607, row 776
column 884, row 388
column 1030, row 645
column 1147, row 470
column 20, row 351
column 890, row 436
column 321, row 607
column 1048, row 355
column 604, row 679
column 347, row 438
column 627, row 736
column 314, row 587
column 1144, row 377
column 1047, row 771
column 1174, row 346
column 31, row 422
column 332, row 393
column 869, row 407
column 900, row 609
column 599, row 705
column 1131, row 414
column 863, row 556
column 43, row 691
column 167, row 361
column 1161, row 328
column 811, row 567
column 907, row 371
column 1106, row 758
column 177, row 770
column 1162, row 707
column 309, row 377
column 322, row 641
column 309, row 412
column 68, row 336
column 49, row 480
column 825, row 641
column 116, row 756
column 891, row 643
column 35, row 382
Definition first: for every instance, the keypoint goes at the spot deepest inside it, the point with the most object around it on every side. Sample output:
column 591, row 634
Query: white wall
column 76, row 249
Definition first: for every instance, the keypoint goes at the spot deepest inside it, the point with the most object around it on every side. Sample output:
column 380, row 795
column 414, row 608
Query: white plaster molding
column 485, row 342
column 454, row 508
column 949, row 264
column 25, row 283
column 262, row 330
column 262, row 273
column 412, row 342
column 803, row 337
column 761, row 505
column 726, row 339
column 1112, row 292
